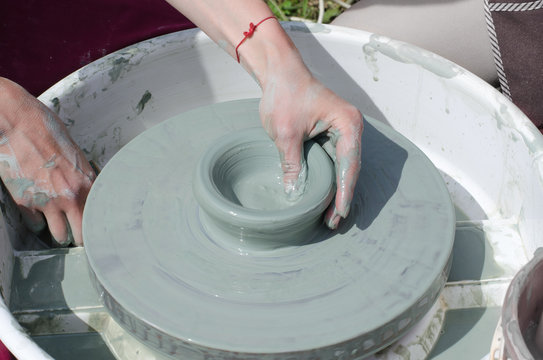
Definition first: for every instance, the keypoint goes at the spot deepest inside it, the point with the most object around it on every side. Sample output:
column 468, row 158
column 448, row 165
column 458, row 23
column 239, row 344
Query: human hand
column 43, row 169
column 296, row 107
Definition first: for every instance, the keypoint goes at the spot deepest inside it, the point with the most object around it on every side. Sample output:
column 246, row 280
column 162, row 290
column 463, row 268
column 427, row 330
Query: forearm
column 263, row 55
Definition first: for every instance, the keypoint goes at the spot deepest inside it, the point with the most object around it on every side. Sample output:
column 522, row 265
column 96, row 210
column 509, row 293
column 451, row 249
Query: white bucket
column 488, row 152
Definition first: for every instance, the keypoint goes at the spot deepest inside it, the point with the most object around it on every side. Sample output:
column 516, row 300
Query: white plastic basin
column 488, row 152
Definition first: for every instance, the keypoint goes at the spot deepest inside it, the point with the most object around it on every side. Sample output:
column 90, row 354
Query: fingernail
column 295, row 188
column 69, row 237
column 333, row 221
column 62, row 243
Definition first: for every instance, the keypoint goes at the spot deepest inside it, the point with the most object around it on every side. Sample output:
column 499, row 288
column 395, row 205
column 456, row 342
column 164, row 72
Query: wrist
column 18, row 109
column 270, row 53
column 9, row 93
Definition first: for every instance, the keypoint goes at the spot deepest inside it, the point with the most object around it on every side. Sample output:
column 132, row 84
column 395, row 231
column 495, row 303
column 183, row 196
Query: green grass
column 306, row 10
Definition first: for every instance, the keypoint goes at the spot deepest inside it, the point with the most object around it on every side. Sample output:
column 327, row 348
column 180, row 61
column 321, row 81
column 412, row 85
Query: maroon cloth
column 4, row 353
column 41, row 42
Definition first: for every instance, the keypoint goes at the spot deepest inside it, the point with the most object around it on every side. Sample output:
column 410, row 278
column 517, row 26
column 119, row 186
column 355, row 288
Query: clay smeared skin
column 286, row 109
column 43, row 169
column 293, row 101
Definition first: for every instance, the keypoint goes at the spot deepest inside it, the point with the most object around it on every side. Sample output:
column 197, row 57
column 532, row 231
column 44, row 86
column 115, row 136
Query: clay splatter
column 410, row 55
column 118, row 67
column 144, row 99
column 56, row 104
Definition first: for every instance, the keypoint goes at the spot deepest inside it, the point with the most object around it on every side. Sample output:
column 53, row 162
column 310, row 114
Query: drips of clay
column 238, row 185
column 335, row 295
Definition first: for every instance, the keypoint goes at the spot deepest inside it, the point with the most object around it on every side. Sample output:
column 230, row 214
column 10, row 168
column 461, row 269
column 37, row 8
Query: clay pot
column 522, row 310
column 238, row 185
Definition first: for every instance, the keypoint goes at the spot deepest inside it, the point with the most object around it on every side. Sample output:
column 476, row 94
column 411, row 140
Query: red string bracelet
column 248, row 34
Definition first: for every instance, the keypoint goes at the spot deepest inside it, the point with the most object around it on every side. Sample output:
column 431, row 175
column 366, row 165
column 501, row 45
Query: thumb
column 291, row 154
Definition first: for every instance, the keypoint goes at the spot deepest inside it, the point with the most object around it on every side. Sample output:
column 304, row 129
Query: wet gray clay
column 183, row 288
column 238, row 185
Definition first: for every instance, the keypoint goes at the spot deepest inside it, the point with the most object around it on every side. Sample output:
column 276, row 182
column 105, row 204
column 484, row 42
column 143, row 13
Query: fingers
column 65, row 227
column 70, row 210
column 74, row 225
column 293, row 165
column 348, row 162
column 331, row 217
column 59, row 227
column 64, row 217
column 293, row 110
column 347, row 170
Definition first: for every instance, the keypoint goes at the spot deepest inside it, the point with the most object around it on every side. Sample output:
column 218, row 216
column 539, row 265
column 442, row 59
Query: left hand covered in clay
column 40, row 165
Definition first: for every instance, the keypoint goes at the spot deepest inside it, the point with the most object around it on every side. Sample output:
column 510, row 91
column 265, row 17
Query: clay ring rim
column 317, row 197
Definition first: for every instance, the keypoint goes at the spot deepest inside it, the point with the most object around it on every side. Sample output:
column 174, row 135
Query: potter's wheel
column 341, row 295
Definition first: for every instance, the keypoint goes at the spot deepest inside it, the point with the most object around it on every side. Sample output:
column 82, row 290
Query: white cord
column 321, row 11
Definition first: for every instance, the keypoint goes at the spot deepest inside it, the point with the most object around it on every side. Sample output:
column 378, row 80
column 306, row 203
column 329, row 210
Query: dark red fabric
column 41, row 42
column 4, row 353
